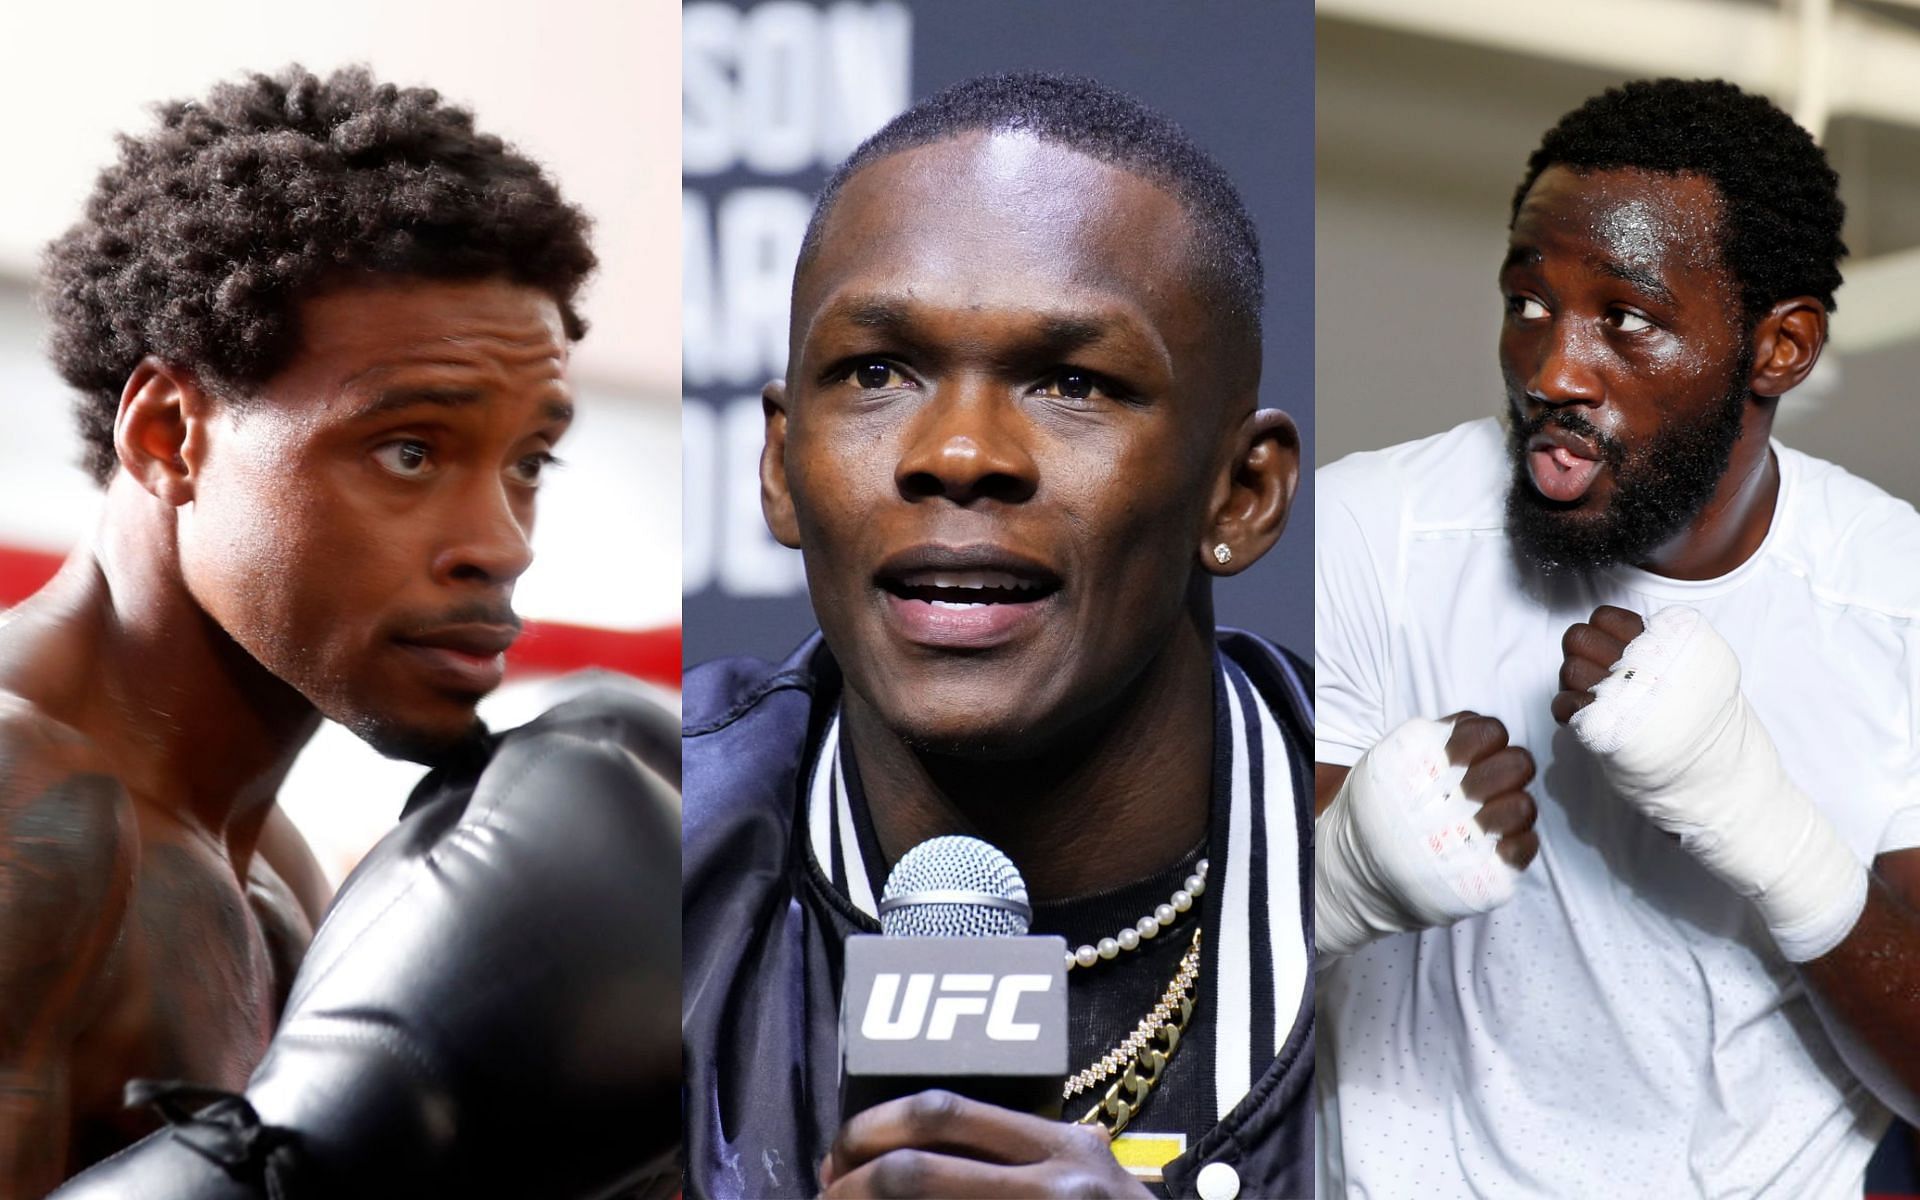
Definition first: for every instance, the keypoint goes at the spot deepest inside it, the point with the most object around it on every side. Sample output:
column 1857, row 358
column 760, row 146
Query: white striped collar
column 1257, row 943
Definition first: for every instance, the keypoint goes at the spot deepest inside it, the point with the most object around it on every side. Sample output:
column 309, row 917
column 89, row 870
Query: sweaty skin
column 344, row 542
column 1619, row 309
column 1589, row 250
column 1001, row 362
column 1618, row 313
column 976, row 382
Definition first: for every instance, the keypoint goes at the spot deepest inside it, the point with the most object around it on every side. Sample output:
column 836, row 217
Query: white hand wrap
column 1398, row 849
column 1678, row 741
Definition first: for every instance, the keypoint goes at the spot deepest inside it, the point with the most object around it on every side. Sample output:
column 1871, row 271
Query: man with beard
column 1709, row 980
column 319, row 331
column 1018, row 438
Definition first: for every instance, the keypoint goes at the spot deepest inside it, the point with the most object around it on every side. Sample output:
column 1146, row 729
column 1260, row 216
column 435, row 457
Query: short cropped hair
column 1105, row 125
column 200, row 242
column 1780, row 226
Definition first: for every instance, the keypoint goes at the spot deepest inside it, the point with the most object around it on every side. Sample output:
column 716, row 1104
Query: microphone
column 954, row 994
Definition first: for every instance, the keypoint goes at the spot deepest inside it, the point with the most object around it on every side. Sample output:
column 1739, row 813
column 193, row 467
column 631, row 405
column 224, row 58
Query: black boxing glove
column 490, row 1007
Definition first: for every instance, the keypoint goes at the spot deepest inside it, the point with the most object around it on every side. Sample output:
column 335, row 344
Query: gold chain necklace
column 1143, row 1053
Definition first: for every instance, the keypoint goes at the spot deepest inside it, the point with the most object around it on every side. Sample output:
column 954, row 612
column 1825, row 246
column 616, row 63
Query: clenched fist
column 1432, row 825
column 1659, row 705
column 1591, row 649
column 939, row 1144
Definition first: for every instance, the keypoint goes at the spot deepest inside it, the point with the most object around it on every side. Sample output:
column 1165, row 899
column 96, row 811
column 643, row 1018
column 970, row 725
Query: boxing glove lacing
column 225, row 1130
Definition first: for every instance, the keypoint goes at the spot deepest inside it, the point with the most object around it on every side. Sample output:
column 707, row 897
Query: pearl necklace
column 1149, row 926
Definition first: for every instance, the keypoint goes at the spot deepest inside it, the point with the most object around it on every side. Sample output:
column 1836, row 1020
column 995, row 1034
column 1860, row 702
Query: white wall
column 589, row 88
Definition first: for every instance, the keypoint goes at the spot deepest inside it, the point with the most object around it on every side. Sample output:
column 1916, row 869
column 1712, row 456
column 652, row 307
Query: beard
column 1659, row 487
column 392, row 739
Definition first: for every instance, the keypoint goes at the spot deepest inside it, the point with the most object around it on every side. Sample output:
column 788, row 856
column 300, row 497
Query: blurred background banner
column 1425, row 115
column 586, row 88
column 776, row 93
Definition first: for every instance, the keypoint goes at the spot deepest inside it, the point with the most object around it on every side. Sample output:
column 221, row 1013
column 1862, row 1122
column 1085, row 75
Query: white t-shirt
column 1624, row 1027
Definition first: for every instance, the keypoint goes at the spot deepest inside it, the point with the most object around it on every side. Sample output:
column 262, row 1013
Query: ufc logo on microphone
column 895, row 1017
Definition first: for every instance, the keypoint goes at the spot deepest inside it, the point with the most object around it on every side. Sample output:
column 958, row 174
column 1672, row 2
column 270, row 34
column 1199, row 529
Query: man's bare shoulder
column 68, row 851
column 35, row 744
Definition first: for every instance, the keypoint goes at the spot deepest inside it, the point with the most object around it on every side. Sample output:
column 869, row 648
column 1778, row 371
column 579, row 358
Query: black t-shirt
column 1107, row 1001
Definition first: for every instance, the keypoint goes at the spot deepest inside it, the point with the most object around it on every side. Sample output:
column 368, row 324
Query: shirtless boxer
column 319, row 329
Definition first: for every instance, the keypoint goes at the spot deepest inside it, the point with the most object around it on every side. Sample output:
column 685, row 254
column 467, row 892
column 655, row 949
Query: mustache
column 478, row 612
column 1524, row 428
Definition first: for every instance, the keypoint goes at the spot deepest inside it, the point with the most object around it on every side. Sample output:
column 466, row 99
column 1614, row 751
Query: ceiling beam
column 1868, row 66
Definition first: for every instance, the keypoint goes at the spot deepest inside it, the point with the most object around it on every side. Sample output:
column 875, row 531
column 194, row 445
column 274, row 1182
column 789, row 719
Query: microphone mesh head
column 954, row 864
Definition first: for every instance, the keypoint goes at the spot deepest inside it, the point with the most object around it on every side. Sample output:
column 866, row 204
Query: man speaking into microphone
column 1018, row 437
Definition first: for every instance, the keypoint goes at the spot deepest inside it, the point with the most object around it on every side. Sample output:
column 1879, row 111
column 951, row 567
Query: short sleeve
column 1350, row 622
column 1902, row 831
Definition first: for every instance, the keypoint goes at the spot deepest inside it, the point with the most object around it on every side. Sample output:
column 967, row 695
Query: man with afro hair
column 319, row 331
column 1695, row 644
